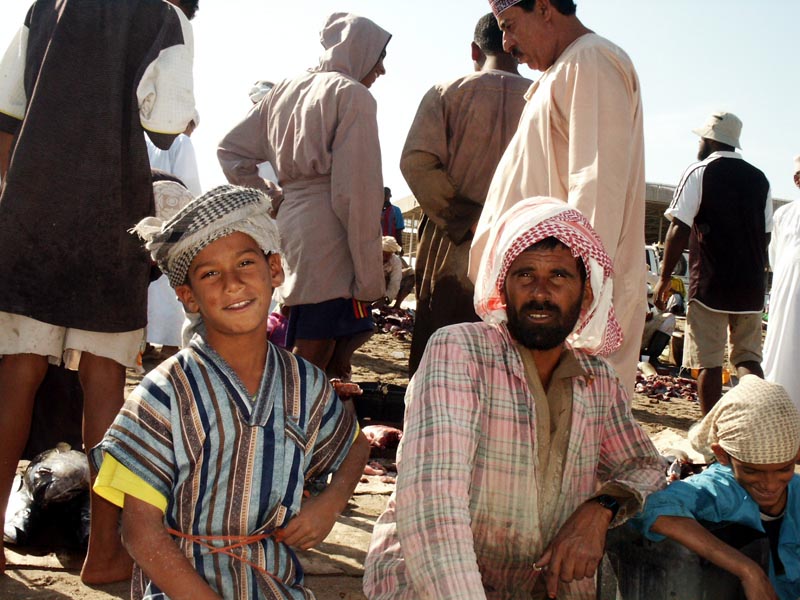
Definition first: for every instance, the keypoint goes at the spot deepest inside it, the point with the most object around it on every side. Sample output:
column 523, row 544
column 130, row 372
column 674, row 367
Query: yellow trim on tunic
column 115, row 481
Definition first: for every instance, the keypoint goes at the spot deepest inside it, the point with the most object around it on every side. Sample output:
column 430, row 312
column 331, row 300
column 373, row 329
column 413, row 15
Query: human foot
column 107, row 569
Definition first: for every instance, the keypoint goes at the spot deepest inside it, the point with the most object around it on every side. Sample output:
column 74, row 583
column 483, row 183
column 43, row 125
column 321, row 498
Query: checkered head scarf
column 527, row 222
column 499, row 6
column 755, row 422
column 174, row 243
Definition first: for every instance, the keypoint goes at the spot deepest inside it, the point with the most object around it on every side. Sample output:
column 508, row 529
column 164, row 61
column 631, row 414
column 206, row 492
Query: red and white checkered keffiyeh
column 530, row 221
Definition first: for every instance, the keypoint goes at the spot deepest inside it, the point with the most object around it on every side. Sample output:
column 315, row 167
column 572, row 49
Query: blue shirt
column 716, row 497
column 392, row 220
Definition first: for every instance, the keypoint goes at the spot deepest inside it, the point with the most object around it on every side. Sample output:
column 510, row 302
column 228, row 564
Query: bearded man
column 519, row 448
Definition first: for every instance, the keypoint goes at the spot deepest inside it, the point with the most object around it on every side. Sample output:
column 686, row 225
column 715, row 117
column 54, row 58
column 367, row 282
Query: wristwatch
column 608, row 502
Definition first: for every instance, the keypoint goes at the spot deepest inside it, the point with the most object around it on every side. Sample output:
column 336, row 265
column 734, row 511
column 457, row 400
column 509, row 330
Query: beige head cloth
column 389, row 244
column 755, row 422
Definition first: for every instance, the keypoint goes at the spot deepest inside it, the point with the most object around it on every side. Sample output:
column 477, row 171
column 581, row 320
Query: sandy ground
column 334, row 569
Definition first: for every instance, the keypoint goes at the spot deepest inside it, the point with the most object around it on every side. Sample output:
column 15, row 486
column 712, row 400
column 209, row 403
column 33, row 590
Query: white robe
column 580, row 139
column 782, row 344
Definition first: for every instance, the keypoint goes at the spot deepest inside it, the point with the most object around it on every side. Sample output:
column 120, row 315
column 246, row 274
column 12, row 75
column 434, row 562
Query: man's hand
column 311, row 525
column 577, row 549
column 661, row 293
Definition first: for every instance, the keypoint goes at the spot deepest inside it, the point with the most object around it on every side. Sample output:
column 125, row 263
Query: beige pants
column 23, row 335
column 707, row 335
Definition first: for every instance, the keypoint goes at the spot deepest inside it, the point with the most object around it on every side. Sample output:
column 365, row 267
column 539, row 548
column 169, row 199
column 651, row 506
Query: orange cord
column 238, row 542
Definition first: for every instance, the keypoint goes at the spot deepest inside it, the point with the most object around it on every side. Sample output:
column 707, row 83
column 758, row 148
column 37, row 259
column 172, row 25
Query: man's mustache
column 540, row 307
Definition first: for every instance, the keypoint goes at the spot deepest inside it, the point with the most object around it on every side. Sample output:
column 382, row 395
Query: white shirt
column 689, row 193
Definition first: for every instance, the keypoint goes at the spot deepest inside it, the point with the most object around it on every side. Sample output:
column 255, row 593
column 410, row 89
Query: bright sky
column 692, row 57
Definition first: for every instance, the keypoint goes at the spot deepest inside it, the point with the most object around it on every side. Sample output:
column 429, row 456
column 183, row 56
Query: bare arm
column 149, row 544
column 698, row 539
column 318, row 514
column 676, row 242
column 162, row 141
column 6, row 141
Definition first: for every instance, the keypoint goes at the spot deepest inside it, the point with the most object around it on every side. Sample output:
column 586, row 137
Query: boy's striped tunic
column 229, row 464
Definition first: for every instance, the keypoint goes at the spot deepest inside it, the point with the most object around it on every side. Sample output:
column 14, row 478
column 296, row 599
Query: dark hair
column 565, row 7
column 190, row 7
column 549, row 243
column 386, row 190
column 488, row 36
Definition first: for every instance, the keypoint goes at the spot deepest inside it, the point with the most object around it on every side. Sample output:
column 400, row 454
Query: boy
column 754, row 432
column 209, row 454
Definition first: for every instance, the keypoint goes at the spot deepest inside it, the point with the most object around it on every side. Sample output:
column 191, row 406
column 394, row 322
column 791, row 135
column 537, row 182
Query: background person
column 392, row 222
column 781, row 346
column 73, row 112
column 331, row 190
column 722, row 209
column 453, row 146
column 579, row 139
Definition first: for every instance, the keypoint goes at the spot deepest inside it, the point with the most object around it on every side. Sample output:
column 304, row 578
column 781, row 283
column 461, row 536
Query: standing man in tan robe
column 580, row 139
column 459, row 134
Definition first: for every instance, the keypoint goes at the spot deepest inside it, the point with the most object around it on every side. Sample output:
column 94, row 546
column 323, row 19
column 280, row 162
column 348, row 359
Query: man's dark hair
column 488, row 36
column 387, row 190
column 190, row 7
column 549, row 243
column 565, row 7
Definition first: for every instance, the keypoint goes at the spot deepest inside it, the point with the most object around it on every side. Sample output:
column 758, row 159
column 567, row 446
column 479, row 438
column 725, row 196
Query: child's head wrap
column 755, row 422
column 174, row 243
column 389, row 244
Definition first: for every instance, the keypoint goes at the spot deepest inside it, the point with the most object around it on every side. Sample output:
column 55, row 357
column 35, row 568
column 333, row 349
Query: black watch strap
column 608, row 502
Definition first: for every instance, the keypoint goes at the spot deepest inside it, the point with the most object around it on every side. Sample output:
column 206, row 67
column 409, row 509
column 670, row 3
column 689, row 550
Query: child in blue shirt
column 754, row 432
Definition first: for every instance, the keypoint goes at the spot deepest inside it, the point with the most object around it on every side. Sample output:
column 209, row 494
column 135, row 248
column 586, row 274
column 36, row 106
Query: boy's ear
column 722, row 457
column 275, row 269
column 186, row 296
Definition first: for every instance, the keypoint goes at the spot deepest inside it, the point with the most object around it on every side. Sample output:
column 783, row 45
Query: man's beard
column 542, row 336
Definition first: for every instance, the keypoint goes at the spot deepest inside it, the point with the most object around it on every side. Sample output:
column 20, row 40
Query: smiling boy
column 754, row 432
column 209, row 455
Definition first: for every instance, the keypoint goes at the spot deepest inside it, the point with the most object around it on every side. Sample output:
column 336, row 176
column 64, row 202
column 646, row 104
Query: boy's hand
column 318, row 514
column 311, row 525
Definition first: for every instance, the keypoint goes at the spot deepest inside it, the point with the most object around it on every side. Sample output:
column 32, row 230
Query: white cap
column 723, row 127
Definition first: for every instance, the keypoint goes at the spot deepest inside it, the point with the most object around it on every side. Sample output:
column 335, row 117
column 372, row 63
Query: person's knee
column 27, row 370
column 94, row 370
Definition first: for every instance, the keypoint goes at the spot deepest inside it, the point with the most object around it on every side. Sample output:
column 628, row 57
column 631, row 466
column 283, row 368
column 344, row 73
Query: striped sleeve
column 686, row 201
column 337, row 432
column 140, row 438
